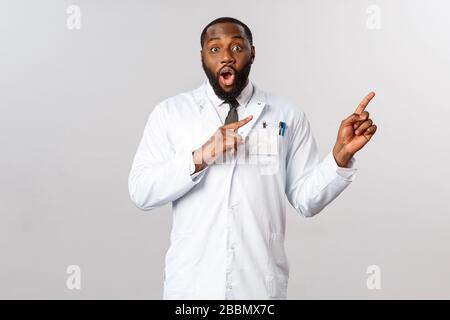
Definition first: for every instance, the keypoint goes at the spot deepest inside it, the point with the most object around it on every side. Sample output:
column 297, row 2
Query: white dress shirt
column 222, row 107
column 227, row 237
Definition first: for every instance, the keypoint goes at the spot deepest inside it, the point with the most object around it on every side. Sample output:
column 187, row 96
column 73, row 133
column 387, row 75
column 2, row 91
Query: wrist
column 341, row 157
column 198, row 160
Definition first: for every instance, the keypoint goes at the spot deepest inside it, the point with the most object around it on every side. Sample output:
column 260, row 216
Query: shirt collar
column 243, row 97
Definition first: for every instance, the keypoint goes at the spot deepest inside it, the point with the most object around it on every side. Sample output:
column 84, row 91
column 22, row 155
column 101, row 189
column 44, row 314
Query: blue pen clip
column 282, row 128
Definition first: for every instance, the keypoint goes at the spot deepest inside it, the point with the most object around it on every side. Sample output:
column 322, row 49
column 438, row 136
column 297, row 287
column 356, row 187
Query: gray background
column 74, row 104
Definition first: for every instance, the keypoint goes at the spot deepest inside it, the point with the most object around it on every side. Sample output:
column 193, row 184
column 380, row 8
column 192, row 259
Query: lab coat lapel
column 255, row 108
column 210, row 120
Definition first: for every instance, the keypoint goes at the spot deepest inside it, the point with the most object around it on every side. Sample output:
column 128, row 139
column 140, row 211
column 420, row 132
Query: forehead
column 223, row 30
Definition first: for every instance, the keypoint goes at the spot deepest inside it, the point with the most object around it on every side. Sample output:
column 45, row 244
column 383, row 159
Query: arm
column 159, row 173
column 311, row 185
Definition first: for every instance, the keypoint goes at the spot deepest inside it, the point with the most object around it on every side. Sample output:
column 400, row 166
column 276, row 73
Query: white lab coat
column 227, row 237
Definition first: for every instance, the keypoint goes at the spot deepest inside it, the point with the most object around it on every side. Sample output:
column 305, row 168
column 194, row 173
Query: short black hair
column 247, row 31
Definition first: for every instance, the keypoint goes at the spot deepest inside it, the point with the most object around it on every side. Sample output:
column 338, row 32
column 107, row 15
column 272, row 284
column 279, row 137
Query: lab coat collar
column 211, row 120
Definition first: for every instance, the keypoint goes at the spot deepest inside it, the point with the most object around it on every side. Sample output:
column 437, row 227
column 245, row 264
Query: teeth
column 226, row 70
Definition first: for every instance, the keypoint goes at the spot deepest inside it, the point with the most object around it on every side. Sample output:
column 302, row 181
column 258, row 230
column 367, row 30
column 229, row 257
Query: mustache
column 241, row 80
column 227, row 68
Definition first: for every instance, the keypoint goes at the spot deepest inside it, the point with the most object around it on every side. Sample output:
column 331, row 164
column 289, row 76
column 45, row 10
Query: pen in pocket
column 282, row 128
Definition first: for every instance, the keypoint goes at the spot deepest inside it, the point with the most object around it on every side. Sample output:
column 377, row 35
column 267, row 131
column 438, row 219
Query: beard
column 239, row 85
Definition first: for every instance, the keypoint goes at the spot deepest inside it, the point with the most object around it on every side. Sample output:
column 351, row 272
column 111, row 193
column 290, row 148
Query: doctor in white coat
column 225, row 155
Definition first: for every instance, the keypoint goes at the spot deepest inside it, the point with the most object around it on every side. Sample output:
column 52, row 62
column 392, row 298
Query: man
column 225, row 155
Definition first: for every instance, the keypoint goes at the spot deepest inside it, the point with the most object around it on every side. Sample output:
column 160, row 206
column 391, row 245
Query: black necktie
column 232, row 114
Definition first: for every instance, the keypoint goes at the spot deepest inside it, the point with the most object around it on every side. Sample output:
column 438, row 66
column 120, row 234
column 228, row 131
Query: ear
column 201, row 55
column 253, row 53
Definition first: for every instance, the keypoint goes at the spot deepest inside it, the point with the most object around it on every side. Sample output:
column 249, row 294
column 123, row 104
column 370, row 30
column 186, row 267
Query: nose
column 227, row 57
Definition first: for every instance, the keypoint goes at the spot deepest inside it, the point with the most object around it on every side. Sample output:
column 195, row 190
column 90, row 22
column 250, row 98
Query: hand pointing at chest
column 225, row 138
column 354, row 133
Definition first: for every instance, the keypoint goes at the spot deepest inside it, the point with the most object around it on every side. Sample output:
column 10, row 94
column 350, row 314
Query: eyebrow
column 218, row 38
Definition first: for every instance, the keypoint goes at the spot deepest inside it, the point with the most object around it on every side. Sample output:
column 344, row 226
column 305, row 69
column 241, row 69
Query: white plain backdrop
column 73, row 105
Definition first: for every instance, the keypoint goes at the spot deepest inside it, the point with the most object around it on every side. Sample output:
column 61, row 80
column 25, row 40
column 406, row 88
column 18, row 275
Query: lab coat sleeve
column 312, row 184
column 160, row 174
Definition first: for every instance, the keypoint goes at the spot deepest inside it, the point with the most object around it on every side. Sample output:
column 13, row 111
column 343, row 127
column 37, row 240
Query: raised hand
column 354, row 132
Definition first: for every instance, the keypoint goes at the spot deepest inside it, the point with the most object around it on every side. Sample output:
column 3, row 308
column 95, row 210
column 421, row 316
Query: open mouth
column 227, row 76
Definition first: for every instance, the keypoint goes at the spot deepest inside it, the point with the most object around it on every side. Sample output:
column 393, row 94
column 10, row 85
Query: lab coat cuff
column 348, row 173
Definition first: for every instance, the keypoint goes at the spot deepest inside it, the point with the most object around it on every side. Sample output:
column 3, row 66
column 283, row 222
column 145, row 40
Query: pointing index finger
column 364, row 102
column 238, row 124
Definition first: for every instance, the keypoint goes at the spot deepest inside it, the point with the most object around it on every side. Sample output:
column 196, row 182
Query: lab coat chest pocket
column 264, row 149
column 264, row 141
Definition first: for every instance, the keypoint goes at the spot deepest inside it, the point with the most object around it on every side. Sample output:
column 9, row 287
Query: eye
column 236, row 48
column 214, row 49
